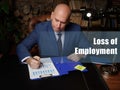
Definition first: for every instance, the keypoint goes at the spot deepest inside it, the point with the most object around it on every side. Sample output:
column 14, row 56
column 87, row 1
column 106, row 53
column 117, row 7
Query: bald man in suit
column 45, row 35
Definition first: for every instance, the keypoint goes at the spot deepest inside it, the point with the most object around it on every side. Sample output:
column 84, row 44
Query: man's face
column 59, row 21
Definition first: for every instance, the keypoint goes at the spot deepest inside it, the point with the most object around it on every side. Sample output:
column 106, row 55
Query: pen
column 35, row 59
column 38, row 60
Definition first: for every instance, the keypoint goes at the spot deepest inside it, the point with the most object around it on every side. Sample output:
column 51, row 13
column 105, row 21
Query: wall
column 24, row 10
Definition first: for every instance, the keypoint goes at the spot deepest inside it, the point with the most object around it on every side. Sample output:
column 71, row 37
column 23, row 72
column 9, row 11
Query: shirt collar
column 62, row 32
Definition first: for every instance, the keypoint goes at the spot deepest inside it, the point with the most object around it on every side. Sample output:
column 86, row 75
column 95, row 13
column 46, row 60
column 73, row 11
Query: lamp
column 88, row 14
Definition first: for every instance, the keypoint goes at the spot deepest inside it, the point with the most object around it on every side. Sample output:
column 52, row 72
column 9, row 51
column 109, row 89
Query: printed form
column 47, row 69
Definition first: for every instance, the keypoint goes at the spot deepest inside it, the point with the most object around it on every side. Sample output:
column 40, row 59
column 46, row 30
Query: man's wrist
column 24, row 59
column 28, row 60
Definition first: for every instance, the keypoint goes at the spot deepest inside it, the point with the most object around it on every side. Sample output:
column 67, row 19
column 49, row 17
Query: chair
column 31, row 26
column 37, row 19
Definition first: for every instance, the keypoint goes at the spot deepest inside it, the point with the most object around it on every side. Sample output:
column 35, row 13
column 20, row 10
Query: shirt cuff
column 23, row 60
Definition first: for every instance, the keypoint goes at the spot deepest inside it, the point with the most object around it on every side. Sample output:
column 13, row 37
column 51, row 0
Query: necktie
column 59, row 43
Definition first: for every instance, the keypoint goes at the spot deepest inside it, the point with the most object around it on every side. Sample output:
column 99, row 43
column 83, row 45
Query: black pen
column 41, row 64
column 35, row 59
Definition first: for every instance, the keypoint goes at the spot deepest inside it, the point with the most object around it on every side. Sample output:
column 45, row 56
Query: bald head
column 60, row 17
column 63, row 9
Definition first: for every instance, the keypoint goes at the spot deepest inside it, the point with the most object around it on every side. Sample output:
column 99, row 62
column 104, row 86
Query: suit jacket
column 44, row 36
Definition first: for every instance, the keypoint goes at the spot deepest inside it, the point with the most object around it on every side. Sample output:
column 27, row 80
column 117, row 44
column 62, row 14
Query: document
column 46, row 70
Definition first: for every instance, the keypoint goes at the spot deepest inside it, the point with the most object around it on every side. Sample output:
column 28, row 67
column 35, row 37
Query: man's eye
column 63, row 22
column 56, row 20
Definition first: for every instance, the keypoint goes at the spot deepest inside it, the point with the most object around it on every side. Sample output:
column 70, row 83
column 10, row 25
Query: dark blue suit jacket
column 43, row 35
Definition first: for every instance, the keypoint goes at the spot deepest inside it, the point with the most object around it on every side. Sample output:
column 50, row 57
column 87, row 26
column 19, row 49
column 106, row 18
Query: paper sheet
column 47, row 69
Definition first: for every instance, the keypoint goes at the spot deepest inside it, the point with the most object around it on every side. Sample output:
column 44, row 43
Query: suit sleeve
column 24, row 47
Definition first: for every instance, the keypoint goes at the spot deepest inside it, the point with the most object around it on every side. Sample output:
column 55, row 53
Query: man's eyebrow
column 59, row 20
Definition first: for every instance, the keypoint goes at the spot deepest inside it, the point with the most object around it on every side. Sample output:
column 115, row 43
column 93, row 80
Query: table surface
column 14, row 75
column 112, row 81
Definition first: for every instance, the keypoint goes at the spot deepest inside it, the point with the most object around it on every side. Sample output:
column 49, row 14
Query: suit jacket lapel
column 66, row 41
column 53, row 39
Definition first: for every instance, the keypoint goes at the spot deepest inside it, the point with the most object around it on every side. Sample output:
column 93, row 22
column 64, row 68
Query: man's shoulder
column 44, row 23
column 43, row 26
column 74, row 26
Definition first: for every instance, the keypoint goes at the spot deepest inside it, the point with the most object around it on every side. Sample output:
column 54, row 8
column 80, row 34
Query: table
column 112, row 81
column 14, row 75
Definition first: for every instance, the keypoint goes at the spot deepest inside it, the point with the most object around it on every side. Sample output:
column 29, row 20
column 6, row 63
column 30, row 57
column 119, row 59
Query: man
column 45, row 35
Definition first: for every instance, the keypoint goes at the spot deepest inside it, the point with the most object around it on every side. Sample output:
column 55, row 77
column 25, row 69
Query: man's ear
column 52, row 13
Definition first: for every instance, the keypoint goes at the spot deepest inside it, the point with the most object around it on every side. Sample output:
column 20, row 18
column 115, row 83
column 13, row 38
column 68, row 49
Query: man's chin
column 57, row 30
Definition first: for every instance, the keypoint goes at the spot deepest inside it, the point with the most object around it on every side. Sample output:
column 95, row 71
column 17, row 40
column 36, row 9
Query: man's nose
column 58, row 24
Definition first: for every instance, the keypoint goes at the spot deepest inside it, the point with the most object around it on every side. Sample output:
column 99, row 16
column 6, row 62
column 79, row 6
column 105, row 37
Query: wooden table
column 113, row 81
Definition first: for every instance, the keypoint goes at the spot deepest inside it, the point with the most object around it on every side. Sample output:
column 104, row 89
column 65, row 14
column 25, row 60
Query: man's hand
column 34, row 62
column 75, row 57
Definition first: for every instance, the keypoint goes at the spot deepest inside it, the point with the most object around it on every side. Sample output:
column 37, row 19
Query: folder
column 66, row 65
